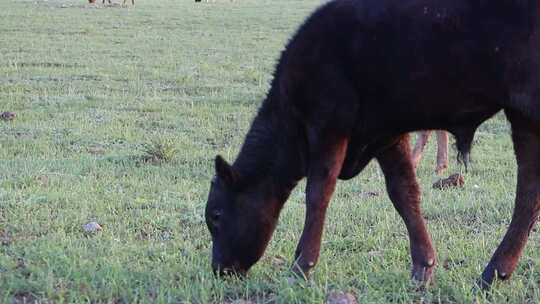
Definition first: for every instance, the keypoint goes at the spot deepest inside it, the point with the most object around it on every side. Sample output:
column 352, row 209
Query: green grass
column 96, row 90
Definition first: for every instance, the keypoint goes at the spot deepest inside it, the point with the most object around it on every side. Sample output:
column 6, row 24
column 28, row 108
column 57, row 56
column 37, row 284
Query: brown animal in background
column 442, row 149
column 355, row 79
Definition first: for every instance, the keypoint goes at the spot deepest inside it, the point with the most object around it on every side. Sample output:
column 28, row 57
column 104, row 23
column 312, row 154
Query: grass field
column 98, row 90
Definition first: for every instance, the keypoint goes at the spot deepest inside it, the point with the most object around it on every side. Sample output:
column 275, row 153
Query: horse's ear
column 225, row 172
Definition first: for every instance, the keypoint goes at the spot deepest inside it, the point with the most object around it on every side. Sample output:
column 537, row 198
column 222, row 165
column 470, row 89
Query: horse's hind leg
column 404, row 193
column 526, row 137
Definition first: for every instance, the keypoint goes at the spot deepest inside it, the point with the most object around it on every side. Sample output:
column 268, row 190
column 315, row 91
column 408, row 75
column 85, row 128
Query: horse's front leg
column 326, row 156
column 404, row 193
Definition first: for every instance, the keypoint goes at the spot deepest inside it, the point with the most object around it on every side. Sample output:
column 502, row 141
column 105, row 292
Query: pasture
column 119, row 114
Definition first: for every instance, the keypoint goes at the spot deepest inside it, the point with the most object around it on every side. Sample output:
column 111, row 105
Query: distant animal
column 442, row 149
column 132, row 2
column 349, row 86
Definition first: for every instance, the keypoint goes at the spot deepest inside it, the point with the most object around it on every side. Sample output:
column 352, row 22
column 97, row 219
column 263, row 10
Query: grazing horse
column 351, row 83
